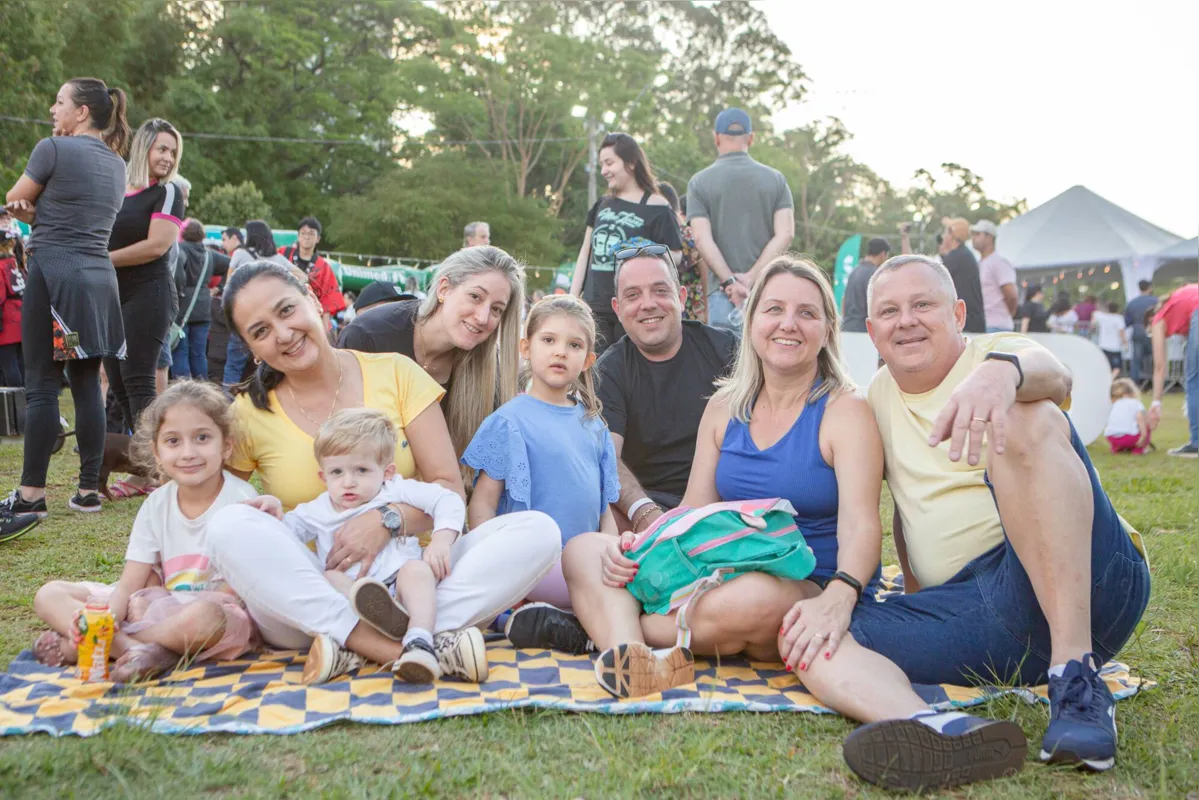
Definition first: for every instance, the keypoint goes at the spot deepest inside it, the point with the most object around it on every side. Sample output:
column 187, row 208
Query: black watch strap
column 845, row 577
column 1010, row 358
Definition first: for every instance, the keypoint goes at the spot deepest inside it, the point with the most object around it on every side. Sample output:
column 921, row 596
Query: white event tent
column 1079, row 230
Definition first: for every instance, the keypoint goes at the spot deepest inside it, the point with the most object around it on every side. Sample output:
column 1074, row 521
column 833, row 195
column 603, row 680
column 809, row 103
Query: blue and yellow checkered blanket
column 264, row 695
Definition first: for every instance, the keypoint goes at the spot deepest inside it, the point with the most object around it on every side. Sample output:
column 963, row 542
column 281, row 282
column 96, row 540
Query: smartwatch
column 393, row 520
column 846, row 578
column 1010, row 358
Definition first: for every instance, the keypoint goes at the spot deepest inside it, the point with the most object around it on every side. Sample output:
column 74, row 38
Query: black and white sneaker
column 1187, row 450
column 545, row 627
column 418, row 663
column 16, row 505
column 87, row 503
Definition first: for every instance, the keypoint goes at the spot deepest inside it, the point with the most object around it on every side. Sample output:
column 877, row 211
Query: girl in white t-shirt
column 169, row 604
column 1127, row 424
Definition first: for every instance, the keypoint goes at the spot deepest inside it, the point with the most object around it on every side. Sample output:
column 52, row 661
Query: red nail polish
column 803, row 666
column 827, row 656
column 788, row 667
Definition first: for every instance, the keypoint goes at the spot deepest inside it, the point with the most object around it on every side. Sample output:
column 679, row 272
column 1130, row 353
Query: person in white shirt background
column 1111, row 334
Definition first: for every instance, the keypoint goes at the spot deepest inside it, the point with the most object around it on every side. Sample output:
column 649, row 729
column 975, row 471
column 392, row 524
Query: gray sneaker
column 1185, row 451
column 462, row 654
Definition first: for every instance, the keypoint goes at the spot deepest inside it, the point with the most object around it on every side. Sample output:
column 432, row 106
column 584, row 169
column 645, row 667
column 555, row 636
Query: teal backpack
column 689, row 551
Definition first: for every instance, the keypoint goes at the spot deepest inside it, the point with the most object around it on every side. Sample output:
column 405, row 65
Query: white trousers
column 284, row 587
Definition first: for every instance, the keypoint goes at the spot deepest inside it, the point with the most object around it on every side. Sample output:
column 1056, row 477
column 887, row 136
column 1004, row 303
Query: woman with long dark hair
column 633, row 208
column 146, row 227
column 70, row 193
column 301, row 381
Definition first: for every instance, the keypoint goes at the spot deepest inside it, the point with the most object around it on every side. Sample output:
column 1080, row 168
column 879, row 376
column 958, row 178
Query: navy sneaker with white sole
column 1082, row 718
column 909, row 756
column 546, row 627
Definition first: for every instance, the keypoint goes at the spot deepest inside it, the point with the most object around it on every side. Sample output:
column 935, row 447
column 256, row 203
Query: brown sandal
column 634, row 670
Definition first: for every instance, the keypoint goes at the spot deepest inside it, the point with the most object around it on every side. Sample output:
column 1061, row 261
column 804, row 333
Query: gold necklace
column 341, row 372
column 416, row 332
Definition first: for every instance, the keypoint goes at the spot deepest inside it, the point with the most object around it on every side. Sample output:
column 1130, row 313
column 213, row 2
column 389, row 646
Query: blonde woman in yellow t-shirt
column 301, row 380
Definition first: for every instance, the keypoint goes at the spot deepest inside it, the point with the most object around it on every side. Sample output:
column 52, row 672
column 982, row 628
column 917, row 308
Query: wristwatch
column 846, row 578
column 1010, row 358
column 393, row 520
column 727, row 282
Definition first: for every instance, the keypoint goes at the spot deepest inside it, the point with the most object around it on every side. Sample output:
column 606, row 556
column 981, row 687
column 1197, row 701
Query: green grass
column 536, row 754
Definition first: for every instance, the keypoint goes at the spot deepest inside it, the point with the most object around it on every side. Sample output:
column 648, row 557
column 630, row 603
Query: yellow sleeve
column 414, row 388
column 244, row 456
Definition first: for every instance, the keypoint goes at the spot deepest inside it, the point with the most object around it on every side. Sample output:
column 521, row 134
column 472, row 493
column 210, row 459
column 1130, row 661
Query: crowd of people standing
column 535, row 445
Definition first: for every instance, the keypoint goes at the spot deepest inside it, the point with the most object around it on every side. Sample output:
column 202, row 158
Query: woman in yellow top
column 300, row 382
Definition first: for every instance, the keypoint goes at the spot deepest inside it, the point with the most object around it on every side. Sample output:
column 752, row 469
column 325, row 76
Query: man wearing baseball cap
column 963, row 268
column 998, row 278
column 741, row 214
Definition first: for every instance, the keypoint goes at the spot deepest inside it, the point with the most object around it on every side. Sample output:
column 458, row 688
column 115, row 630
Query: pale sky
column 1033, row 96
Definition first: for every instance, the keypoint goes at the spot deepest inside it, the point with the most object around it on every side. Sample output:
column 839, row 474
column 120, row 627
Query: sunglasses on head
column 628, row 253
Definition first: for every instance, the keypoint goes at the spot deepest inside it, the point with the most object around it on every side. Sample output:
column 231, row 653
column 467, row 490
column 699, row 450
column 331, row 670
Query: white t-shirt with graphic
column 176, row 545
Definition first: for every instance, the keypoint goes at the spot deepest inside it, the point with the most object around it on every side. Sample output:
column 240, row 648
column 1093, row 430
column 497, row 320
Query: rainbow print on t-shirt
column 187, row 573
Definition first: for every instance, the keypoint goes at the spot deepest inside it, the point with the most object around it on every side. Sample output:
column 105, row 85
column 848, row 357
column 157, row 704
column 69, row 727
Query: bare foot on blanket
column 142, row 662
column 54, row 650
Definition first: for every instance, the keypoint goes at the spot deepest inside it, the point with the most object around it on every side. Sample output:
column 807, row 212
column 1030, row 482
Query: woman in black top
column 146, row 227
column 1033, row 315
column 70, row 194
column 632, row 208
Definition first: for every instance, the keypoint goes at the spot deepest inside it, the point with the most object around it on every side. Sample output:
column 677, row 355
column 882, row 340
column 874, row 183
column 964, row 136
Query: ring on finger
column 978, row 419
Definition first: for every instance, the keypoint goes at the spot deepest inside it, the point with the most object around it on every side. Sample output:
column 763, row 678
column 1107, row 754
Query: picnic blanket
column 264, row 695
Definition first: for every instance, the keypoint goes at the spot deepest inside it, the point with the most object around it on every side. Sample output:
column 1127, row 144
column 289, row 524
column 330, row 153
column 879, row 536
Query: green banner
column 355, row 278
column 847, row 259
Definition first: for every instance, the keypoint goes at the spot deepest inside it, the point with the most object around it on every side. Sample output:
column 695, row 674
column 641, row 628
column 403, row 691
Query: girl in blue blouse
column 549, row 450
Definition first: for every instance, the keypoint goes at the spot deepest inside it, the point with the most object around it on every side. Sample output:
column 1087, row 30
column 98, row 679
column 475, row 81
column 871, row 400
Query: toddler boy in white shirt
column 355, row 449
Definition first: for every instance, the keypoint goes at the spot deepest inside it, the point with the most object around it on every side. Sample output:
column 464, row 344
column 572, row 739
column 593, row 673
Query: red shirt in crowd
column 320, row 278
column 1177, row 310
column 12, row 287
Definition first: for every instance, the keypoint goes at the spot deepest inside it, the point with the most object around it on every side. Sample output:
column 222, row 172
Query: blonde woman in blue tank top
column 787, row 422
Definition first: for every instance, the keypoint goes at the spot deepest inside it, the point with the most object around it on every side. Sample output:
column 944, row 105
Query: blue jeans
column 998, row 329
column 720, row 308
column 190, row 355
column 1191, row 360
column 985, row 624
column 236, row 357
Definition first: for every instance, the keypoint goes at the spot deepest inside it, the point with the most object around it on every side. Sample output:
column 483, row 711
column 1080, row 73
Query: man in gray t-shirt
column 741, row 214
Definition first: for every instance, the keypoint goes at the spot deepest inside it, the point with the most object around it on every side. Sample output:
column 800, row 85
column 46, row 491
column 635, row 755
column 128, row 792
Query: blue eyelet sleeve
column 499, row 450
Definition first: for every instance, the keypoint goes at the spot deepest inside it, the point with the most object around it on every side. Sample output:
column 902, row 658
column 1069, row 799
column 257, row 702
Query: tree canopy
column 399, row 121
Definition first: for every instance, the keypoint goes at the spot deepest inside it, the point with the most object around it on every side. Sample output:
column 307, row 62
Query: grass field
column 548, row 754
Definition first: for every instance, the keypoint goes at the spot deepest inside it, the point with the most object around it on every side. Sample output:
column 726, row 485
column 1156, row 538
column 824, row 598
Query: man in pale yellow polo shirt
column 1016, row 566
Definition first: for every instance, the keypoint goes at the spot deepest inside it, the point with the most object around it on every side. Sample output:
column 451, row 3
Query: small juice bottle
column 94, row 630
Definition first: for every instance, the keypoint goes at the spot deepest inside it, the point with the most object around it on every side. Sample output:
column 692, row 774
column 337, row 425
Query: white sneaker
column 374, row 603
column 328, row 660
column 462, row 654
column 418, row 664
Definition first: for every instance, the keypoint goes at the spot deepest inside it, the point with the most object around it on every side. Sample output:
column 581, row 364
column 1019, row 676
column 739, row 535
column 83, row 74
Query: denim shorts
column 984, row 624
